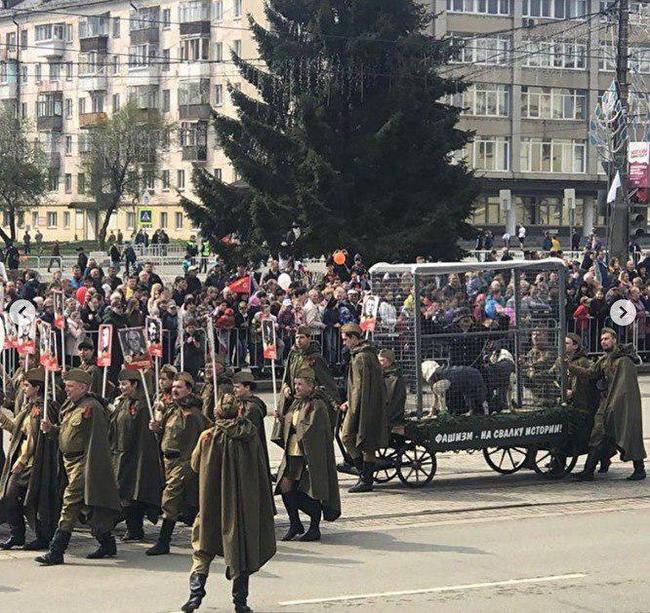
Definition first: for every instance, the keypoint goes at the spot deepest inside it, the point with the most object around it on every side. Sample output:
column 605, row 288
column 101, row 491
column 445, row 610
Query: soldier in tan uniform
column 180, row 427
column 91, row 490
column 224, row 384
column 88, row 364
column 29, row 480
column 166, row 377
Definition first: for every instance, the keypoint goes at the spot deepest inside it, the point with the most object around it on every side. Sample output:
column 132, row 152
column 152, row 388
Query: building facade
column 537, row 69
column 66, row 66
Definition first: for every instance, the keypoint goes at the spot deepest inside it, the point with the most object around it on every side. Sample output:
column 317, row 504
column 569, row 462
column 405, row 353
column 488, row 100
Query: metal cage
column 473, row 337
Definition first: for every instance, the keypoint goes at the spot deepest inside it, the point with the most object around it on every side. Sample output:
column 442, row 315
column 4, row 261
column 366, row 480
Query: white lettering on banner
column 539, row 430
column 499, row 433
column 455, row 437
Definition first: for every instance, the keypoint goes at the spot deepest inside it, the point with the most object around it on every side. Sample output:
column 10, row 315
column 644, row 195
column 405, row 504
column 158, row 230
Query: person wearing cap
column 365, row 426
column 180, row 427
column 618, row 422
column 91, row 490
column 253, row 408
column 29, row 478
column 166, row 377
column 307, row 478
column 395, row 386
column 307, row 353
column 235, row 518
column 136, row 457
column 87, row 363
column 224, row 384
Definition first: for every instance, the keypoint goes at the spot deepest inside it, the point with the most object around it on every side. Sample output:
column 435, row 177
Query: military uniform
column 395, row 389
column 224, row 386
column 539, row 378
column 235, row 518
column 97, row 377
column 181, row 425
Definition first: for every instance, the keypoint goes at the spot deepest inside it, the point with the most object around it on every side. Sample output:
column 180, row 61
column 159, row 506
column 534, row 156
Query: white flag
column 616, row 183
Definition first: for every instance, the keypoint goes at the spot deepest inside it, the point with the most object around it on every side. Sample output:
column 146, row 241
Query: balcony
column 49, row 123
column 8, row 91
column 195, row 153
column 147, row 115
column 53, row 48
column 144, row 75
column 194, row 70
column 147, row 35
column 195, row 27
column 92, row 120
column 98, row 42
column 195, row 111
column 93, row 83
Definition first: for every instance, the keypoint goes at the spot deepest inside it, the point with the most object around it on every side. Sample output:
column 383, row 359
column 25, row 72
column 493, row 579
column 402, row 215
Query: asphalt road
column 471, row 541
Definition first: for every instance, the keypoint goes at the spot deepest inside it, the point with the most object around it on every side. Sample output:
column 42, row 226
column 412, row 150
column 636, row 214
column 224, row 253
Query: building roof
column 43, row 6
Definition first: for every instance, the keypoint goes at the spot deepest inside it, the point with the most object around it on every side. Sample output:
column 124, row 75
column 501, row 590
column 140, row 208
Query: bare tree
column 122, row 153
column 23, row 172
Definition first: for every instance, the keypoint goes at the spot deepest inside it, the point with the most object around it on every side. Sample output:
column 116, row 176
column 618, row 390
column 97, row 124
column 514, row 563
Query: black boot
column 58, row 545
column 197, row 592
column 639, row 471
column 15, row 540
column 291, row 504
column 604, row 465
column 313, row 509
column 164, row 539
column 107, row 547
column 240, row 593
column 364, row 484
column 16, row 522
column 134, row 517
column 40, row 543
column 587, row 473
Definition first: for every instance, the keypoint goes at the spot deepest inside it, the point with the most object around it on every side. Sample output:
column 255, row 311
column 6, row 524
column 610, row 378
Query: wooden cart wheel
column 505, row 460
column 387, row 460
column 543, row 464
column 416, row 466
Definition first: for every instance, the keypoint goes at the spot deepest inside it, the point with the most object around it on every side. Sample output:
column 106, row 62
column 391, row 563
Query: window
column 68, row 108
column 49, row 32
column 130, row 220
column 144, row 19
column 39, row 73
column 639, row 57
column 491, row 153
column 55, row 71
column 218, row 95
column 180, row 179
column 166, row 101
column 555, row 9
column 193, row 134
column 553, row 103
column 24, row 73
column 218, row 52
column 92, row 64
column 23, row 39
column 236, row 47
column 68, row 145
column 237, row 8
column 179, row 221
column 165, row 180
column 489, row 50
column 218, row 174
column 66, row 219
column 93, row 26
column 485, row 99
column 555, row 155
column 68, row 71
column 163, row 220
column 144, row 96
column 116, row 103
column 149, row 180
column 142, row 55
column 115, row 64
column 68, row 32
column 480, row 7
column 194, row 49
column 487, row 211
column 218, row 10
column 166, row 60
column 194, row 92
column 116, row 27
column 196, row 10
column 51, row 219
column 97, row 103
column 555, row 54
column 49, row 105
column 166, row 19
column 81, row 183
column 10, row 42
column 67, row 181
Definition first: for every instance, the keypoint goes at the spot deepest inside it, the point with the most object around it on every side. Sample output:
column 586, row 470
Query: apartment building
column 66, row 66
column 537, row 69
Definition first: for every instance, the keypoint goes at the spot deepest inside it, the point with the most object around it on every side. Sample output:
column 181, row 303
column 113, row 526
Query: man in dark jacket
column 115, row 316
column 466, row 392
column 395, row 386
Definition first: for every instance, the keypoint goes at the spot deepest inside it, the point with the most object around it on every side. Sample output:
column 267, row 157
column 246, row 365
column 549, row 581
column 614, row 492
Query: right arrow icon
column 623, row 313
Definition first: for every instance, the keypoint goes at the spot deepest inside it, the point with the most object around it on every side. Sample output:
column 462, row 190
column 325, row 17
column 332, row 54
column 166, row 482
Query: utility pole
column 620, row 220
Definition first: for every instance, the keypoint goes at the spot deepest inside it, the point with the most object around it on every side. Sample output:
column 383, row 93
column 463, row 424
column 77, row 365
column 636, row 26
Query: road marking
column 435, row 590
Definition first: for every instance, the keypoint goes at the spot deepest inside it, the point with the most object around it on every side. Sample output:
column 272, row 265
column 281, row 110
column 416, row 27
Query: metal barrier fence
column 589, row 330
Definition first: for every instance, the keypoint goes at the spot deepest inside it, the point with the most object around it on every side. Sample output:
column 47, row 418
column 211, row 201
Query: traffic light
column 638, row 218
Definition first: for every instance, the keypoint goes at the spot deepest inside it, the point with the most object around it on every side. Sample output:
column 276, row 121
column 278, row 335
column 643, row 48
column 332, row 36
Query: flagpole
column 45, row 396
column 146, row 393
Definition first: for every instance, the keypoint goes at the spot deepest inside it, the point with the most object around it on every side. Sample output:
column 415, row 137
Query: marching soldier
column 91, row 490
column 618, row 420
column 365, row 426
column 307, row 477
column 224, row 384
column 88, row 364
column 29, row 481
column 306, row 353
column 395, row 386
column 180, row 427
column 136, row 457
column 235, row 519
column 165, row 381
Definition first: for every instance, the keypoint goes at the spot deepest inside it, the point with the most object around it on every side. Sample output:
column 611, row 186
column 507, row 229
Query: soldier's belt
column 171, row 455
column 73, row 456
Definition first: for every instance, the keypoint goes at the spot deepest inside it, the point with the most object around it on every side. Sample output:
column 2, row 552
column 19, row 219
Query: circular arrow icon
column 22, row 312
column 623, row 313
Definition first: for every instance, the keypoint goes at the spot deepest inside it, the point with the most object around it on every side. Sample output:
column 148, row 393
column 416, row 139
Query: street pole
column 620, row 210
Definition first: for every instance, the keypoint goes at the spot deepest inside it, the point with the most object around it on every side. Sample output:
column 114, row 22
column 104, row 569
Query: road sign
column 623, row 313
column 145, row 217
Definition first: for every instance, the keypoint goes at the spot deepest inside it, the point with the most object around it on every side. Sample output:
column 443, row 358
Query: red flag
column 241, row 285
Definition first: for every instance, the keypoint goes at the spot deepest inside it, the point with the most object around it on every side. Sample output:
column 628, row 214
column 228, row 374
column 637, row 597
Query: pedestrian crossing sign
column 145, row 217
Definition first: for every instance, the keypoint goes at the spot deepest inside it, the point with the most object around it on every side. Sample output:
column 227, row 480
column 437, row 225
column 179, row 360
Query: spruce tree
column 349, row 135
